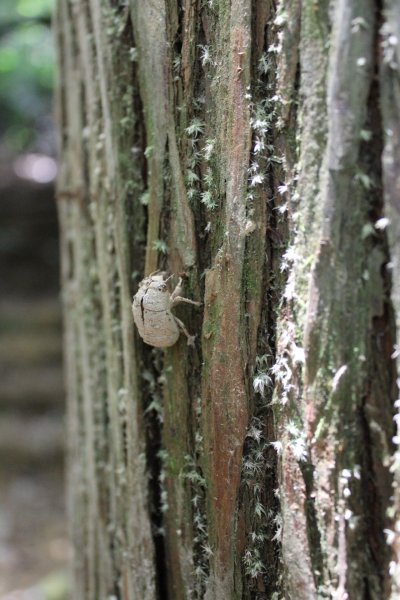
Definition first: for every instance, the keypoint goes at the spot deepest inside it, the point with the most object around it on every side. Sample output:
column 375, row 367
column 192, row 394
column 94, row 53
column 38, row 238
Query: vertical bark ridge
column 330, row 343
column 308, row 29
column 225, row 402
column 157, row 53
column 149, row 21
column 115, row 530
column 331, row 172
column 389, row 90
column 258, row 517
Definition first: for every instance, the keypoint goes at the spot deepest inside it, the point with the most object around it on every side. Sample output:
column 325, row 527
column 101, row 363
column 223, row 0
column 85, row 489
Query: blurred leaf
column 55, row 586
column 26, row 72
column 34, row 8
column 8, row 10
column 9, row 59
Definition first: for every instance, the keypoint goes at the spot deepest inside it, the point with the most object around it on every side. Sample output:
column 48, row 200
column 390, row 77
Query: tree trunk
column 254, row 146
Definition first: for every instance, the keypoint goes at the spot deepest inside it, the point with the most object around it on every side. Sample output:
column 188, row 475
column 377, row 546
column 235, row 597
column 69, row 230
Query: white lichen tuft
column 382, row 223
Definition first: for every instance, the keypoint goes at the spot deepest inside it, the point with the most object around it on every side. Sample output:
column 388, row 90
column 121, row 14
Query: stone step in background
column 33, row 532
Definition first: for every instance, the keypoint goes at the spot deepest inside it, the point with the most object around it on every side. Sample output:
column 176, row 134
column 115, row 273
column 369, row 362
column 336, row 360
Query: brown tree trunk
column 254, row 146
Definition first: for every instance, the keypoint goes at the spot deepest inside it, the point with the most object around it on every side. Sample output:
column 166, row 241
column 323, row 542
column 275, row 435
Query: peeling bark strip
column 240, row 142
column 150, row 25
column 224, row 390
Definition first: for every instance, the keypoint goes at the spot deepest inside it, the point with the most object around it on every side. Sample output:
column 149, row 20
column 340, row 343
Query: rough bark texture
column 254, row 146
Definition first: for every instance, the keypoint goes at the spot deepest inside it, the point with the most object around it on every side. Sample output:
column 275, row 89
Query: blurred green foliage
column 26, row 73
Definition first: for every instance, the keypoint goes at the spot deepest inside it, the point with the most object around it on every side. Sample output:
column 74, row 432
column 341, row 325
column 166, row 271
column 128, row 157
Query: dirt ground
column 33, row 542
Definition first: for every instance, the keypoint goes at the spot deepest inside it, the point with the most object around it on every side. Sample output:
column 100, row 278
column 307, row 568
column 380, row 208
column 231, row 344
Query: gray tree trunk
column 254, row 146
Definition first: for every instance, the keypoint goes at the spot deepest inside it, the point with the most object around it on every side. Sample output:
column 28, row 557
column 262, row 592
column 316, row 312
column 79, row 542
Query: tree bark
column 254, row 146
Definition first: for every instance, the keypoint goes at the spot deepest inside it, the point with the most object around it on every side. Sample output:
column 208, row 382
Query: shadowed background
column 33, row 544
